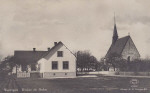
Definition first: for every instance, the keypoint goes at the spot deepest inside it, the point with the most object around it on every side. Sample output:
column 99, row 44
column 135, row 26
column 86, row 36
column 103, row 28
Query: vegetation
column 116, row 61
column 6, row 65
column 136, row 65
column 86, row 61
column 139, row 66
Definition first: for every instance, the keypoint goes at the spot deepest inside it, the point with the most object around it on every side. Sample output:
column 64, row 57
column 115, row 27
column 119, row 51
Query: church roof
column 118, row 46
column 115, row 33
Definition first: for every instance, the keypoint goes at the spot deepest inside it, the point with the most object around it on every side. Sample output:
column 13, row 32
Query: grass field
column 100, row 84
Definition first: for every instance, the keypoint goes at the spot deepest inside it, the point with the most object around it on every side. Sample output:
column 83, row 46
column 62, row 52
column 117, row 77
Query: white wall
column 14, row 69
column 19, row 68
column 46, row 65
column 42, row 64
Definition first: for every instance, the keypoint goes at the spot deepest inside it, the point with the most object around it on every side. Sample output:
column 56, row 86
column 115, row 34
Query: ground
column 99, row 84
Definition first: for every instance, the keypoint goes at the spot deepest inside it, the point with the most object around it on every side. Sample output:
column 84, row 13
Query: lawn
column 100, row 84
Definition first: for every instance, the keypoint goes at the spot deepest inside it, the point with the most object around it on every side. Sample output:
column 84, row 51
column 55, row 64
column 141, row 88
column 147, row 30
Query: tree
column 85, row 61
column 103, row 65
column 139, row 65
column 93, row 63
column 116, row 61
column 6, row 65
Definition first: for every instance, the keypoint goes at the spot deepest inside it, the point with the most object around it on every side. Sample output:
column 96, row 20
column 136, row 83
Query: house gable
column 52, row 56
column 56, row 48
column 66, row 54
column 130, row 50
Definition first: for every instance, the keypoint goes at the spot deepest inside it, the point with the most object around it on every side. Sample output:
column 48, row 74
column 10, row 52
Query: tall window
column 54, row 65
column 65, row 65
column 128, row 58
column 59, row 53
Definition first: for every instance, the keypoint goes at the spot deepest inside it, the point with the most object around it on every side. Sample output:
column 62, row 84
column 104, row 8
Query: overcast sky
column 79, row 24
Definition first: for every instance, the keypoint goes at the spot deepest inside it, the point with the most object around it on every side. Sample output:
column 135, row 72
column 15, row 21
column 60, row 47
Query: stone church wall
column 130, row 51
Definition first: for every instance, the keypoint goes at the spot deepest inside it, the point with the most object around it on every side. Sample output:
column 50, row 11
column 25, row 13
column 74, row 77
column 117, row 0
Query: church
column 124, row 47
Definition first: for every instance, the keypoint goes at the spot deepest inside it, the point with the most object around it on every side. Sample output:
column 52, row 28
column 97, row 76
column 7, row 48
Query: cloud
column 80, row 24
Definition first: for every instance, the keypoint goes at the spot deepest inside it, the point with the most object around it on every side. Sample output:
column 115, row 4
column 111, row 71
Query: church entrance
column 128, row 58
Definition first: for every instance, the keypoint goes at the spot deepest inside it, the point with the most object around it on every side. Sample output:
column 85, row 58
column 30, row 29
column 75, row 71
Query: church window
column 128, row 58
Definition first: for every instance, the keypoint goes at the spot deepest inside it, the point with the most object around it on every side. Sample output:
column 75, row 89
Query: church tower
column 123, row 47
column 115, row 33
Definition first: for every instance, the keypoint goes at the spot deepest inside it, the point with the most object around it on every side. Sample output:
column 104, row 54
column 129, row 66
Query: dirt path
column 9, row 85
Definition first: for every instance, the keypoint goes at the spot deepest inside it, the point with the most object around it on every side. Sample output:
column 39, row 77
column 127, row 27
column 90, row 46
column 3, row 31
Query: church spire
column 115, row 34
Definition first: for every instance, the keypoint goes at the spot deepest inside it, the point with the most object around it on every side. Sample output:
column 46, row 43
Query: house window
column 65, row 65
column 59, row 53
column 54, row 65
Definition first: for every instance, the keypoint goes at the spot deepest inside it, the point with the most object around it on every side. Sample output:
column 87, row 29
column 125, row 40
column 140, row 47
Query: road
column 10, row 85
column 99, row 84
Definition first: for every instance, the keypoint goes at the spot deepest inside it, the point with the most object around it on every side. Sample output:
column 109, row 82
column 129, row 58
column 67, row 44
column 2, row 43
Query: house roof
column 54, row 49
column 118, row 46
column 29, row 57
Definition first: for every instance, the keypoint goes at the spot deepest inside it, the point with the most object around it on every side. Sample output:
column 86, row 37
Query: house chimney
column 55, row 43
column 48, row 48
column 34, row 49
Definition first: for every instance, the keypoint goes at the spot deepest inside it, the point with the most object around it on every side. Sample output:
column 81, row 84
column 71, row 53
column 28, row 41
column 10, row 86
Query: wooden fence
column 115, row 73
column 23, row 74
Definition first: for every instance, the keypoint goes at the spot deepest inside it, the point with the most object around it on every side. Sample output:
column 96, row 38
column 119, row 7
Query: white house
column 58, row 61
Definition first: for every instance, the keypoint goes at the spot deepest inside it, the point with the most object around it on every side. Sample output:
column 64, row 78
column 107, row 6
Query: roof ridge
column 29, row 51
column 118, row 46
column 51, row 49
column 55, row 47
column 124, row 37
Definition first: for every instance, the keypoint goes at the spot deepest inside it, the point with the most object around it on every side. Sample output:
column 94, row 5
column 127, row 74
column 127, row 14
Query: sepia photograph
column 74, row 46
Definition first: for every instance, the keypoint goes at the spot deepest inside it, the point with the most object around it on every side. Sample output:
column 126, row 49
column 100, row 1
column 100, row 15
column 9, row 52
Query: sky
column 79, row 24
